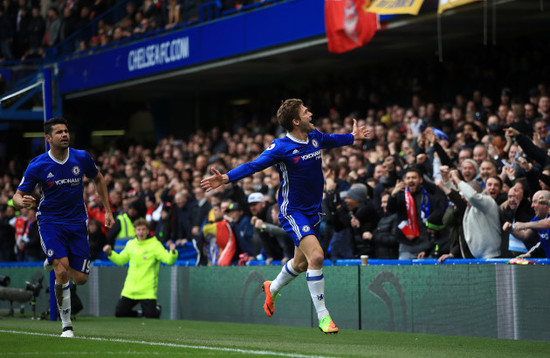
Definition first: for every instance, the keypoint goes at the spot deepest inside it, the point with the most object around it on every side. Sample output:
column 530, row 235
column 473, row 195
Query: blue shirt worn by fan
column 61, row 186
column 544, row 236
column 300, row 169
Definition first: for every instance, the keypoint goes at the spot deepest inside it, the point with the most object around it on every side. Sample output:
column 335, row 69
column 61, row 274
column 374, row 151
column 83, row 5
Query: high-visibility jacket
column 127, row 230
column 143, row 272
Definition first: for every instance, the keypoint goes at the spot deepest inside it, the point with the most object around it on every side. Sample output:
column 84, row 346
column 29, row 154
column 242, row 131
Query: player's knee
column 316, row 260
column 61, row 274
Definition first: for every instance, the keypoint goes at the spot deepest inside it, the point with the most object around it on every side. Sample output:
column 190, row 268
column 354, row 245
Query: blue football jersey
column 300, row 169
column 61, row 186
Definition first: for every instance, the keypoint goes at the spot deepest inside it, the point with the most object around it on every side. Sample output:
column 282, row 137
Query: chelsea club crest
column 315, row 143
column 76, row 170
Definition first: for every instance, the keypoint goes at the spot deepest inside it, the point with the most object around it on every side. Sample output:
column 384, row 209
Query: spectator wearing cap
column 363, row 219
column 256, row 203
column 258, row 211
column 243, row 229
column 352, row 218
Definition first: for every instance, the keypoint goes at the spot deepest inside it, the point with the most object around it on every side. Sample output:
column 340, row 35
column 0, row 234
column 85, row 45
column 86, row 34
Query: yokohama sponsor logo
column 316, row 154
column 72, row 181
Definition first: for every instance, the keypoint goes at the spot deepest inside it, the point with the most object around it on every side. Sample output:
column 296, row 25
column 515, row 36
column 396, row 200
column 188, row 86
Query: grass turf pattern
column 101, row 336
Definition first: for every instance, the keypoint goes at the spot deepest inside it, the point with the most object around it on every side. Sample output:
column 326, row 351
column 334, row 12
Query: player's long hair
column 289, row 110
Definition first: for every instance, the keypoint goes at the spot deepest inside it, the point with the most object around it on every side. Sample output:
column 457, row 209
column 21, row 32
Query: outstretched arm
column 338, row 140
column 543, row 224
column 519, row 230
column 214, row 181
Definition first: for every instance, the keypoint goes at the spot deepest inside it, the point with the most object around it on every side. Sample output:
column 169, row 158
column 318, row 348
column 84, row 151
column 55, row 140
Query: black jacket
column 384, row 238
column 367, row 216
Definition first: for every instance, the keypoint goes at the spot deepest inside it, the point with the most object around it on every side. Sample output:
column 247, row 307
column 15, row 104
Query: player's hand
column 28, row 201
column 212, row 182
column 107, row 249
column 109, row 219
column 172, row 247
column 358, row 132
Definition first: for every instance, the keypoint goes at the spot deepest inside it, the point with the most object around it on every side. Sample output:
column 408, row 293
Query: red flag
column 348, row 25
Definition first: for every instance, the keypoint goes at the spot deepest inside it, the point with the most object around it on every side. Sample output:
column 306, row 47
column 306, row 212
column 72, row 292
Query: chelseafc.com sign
column 158, row 54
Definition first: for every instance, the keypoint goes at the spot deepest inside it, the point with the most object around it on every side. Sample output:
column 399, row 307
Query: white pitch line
column 175, row 345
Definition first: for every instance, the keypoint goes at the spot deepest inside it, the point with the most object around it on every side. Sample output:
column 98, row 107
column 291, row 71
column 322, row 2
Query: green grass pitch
column 101, row 336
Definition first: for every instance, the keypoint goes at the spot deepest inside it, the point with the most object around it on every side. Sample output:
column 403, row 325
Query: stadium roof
column 403, row 37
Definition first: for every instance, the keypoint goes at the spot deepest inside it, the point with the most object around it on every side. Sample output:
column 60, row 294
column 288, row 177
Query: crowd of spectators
column 28, row 27
column 428, row 182
column 470, row 166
